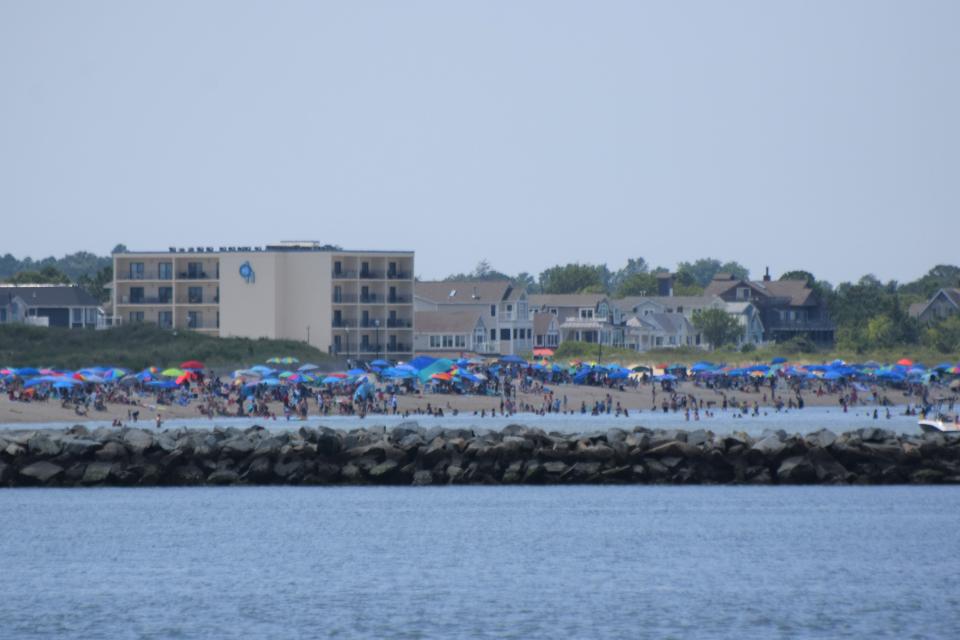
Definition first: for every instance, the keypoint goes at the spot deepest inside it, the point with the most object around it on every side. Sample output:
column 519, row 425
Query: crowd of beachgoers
column 282, row 388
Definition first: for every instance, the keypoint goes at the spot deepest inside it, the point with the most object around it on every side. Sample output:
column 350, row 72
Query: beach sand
column 632, row 399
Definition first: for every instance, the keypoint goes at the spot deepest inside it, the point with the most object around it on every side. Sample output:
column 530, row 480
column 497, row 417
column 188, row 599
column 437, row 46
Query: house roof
column 447, row 321
column 580, row 300
column 687, row 302
column 48, row 295
column 670, row 323
column 541, row 323
column 798, row 292
column 467, row 291
column 915, row 309
column 953, row 294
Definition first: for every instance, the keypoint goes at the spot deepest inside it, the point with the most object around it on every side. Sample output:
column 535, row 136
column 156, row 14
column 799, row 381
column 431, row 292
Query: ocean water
column 795, row 421
column 481, row 562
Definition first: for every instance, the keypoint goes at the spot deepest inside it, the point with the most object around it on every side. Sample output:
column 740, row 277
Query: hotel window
column 434, row 342
column 195, row 295
column 337, row 268
column 136, row 295
column 165, row 294
column 136, row 271
column 194, row 270
column 136, row 317
column 447, row 341
column 165, row 271
column 194, row 319
column 165, row 319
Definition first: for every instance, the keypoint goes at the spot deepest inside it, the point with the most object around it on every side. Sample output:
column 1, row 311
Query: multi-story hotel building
column 358, row 304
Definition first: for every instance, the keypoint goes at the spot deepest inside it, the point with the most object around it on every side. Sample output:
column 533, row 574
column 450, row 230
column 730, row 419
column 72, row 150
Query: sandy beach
column 636, row 401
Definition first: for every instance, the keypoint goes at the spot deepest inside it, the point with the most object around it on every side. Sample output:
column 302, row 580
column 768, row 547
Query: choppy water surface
column 523, row 562
column 795, row 421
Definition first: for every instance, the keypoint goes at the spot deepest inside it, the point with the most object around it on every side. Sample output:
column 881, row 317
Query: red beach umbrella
column 905, row 362
column 192, row 364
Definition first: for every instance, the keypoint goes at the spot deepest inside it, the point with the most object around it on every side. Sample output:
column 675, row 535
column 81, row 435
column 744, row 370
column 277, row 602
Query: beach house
column 503, row 306
column 943, row 304
column 50, row 305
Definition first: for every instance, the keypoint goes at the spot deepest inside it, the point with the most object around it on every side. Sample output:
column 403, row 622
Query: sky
column 816, row 134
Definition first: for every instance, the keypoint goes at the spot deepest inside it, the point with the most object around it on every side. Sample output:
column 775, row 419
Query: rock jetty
column 410, row 454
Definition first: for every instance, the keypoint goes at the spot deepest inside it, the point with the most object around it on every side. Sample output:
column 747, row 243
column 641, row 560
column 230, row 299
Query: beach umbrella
column 172, row 373
column 332, row 380
column 66, row 383
column 26, row 371
column 778, row 360
column 262, row 370
column 445, row 377
column 162, row 384
column 380, row 363
column 308, row 367
column 905, row 362
column 270, row 382
column 513, row 360
column 356, row 372
column 192, row 364
column 273, row 360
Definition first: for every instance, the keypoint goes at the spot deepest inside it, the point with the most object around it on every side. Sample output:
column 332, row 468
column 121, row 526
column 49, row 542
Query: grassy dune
column 138, row 346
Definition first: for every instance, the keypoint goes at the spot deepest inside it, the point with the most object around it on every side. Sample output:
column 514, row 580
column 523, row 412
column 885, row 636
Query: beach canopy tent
column 513, row 360
column 196, row 365
column 421, row 362
column 438, row 366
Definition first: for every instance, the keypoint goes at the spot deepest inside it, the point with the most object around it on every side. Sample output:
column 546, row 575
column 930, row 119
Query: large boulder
column 223, row 477
column 238, row 447
column 79, row 447
column 97, row 472
column 111, row 451
column 41, row 471
column 796, row 470
column 138, row 440
column 42, row 445
column 822, row 438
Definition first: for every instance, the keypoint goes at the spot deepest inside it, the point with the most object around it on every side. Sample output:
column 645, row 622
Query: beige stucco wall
column 249, row 309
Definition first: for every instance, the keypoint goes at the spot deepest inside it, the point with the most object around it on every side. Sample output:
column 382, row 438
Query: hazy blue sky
column 808, row 134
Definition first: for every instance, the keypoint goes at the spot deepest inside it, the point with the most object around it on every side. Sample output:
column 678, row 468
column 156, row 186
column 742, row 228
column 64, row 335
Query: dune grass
column 138, row 346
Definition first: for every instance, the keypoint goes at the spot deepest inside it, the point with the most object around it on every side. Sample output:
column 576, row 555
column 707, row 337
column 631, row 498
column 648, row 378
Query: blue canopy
column 380, row 363
column 778, row 360
column 162, row 384
column 422, row 362
column 513, row 360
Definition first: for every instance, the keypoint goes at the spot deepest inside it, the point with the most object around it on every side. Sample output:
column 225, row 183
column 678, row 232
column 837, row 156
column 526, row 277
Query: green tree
column 637, row 284
column 483, row 271
column 97, row 286
column 944, row 336
column 942, row 275
column 717, row 327
column 634, row 266
column 799, row 274
column 46, row 275
column 703, row 270
column 574, row 278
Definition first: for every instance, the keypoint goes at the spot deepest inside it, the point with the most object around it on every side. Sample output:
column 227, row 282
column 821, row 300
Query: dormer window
column 743, row 293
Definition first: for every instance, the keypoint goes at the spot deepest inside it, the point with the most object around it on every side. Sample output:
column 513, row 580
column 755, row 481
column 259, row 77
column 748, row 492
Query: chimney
column 665, row 284
column 766, row 275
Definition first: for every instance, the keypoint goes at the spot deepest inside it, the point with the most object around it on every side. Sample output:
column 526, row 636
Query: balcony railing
column 146, row 300
column 372, row 324
column 343, row 323
column 202, row 325
column 198, row 300
column 399, row 324
column 344, row 298
column 344, row 274
column 202, row 275
column 398, row 275
column 371, row 274
column 398, row 299
column 398, row 348
column 370, row 298
column 146, row 275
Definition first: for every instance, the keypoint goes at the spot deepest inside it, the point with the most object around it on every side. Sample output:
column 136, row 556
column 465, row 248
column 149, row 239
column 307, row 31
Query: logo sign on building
column 246, row 272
